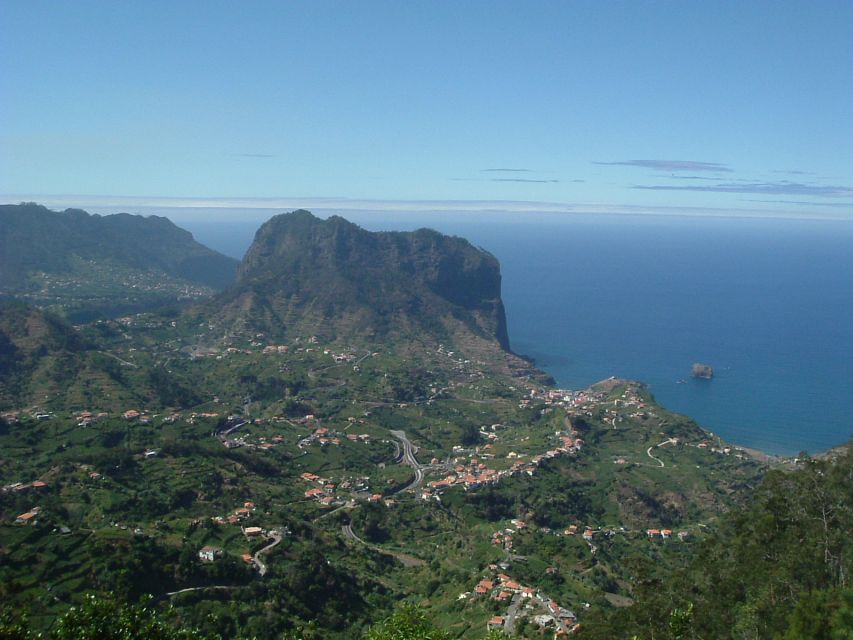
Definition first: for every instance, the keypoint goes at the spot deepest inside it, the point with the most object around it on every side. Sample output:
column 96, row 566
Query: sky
column 738, row 108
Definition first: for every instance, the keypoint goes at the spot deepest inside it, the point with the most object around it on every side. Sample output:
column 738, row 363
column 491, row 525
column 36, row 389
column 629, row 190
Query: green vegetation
column 221, row 473
column 778, row 567
column 136, row 522
column 88, row 266
column 99, row 619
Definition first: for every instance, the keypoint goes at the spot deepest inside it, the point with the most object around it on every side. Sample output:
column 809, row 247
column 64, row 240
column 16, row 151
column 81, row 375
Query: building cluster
column 28, row 517
column 340, row 357
column 87, row 418
column 325, row 437
column 541, row 609
column 326, row 492
column 16, row 487
column 565, row 398
column 279, row 349
column 503, row 537
column 322, row 490
column 132, row 415
column 476, row 473
column 665, row 534
column 241, row 514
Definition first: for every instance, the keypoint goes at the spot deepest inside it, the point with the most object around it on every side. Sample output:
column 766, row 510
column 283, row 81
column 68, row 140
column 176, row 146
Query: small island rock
column 703, row 371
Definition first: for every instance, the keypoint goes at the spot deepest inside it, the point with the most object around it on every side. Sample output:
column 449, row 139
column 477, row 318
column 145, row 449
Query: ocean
column 767, row 302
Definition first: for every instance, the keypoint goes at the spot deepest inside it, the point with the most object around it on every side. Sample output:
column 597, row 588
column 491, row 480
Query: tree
column 407, row 623
column 13, row 627
column 103, row 619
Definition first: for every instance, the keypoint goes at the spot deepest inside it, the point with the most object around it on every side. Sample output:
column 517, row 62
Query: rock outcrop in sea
column 704, row 371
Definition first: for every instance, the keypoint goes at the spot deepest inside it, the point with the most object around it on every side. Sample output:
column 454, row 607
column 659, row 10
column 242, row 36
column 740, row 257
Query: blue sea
column 767, row 302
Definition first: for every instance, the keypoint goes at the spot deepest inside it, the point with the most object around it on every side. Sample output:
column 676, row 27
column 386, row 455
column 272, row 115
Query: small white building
column 209, row 554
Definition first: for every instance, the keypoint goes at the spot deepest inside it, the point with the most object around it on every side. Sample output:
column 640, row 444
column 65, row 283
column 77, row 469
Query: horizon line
column 341, row 203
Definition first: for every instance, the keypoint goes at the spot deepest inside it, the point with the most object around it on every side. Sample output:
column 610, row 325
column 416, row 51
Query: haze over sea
column 767, row 302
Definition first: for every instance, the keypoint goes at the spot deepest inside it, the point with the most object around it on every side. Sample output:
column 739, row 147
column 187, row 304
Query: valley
column 429, row 467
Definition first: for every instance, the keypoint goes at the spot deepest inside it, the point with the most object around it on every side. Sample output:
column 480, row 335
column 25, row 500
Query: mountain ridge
column 34, row 238
column 302, row 272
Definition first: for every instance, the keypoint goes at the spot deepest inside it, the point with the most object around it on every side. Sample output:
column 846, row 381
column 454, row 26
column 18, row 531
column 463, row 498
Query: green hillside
column 273, row 463
column 84, row 265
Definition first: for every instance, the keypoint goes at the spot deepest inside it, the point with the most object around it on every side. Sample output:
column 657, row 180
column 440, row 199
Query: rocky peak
column 302, row 269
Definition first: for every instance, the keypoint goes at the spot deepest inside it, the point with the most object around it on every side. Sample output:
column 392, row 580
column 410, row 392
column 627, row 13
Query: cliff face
column 303, row 273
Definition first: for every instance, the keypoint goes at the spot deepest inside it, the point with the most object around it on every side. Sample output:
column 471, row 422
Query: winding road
column 404, row 558
column 660, row 444
column 256, row 559
column 350, row 534
column 658, row 460
column 409, row 459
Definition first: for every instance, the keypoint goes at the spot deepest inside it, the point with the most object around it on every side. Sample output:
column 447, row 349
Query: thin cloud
column 783, row 188
column 843, row 205
column 671, row 165
column 676, row 177
column 793, row 172
column 523, row 180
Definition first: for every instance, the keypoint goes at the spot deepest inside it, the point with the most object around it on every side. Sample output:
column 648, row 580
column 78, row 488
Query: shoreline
column 752, row 452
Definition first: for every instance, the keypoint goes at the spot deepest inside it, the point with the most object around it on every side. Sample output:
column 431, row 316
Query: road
column 658, row 460
column 660, row 444
column 124, row 362
column 512, row 613
column 398, row 453
column 349, row 505
column 188, row 589
column 409, row 459
column 256, row 559
column 404, row 558
column 350, row 534
column 230, row 430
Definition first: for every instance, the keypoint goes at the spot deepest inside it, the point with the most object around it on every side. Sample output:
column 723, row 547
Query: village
column 522, row 602
column 473, row 473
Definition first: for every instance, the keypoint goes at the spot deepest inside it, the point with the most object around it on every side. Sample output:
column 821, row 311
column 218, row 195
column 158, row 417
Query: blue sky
column 723, row 106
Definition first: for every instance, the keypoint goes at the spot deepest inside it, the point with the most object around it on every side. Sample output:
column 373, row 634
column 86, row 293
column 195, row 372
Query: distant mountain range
column 35, row 239
column 304, row 275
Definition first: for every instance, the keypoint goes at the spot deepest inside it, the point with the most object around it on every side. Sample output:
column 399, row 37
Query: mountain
column 72, row 260
column 306, row 276
column 45, row 361
column 35, row 345
column 27, row 334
